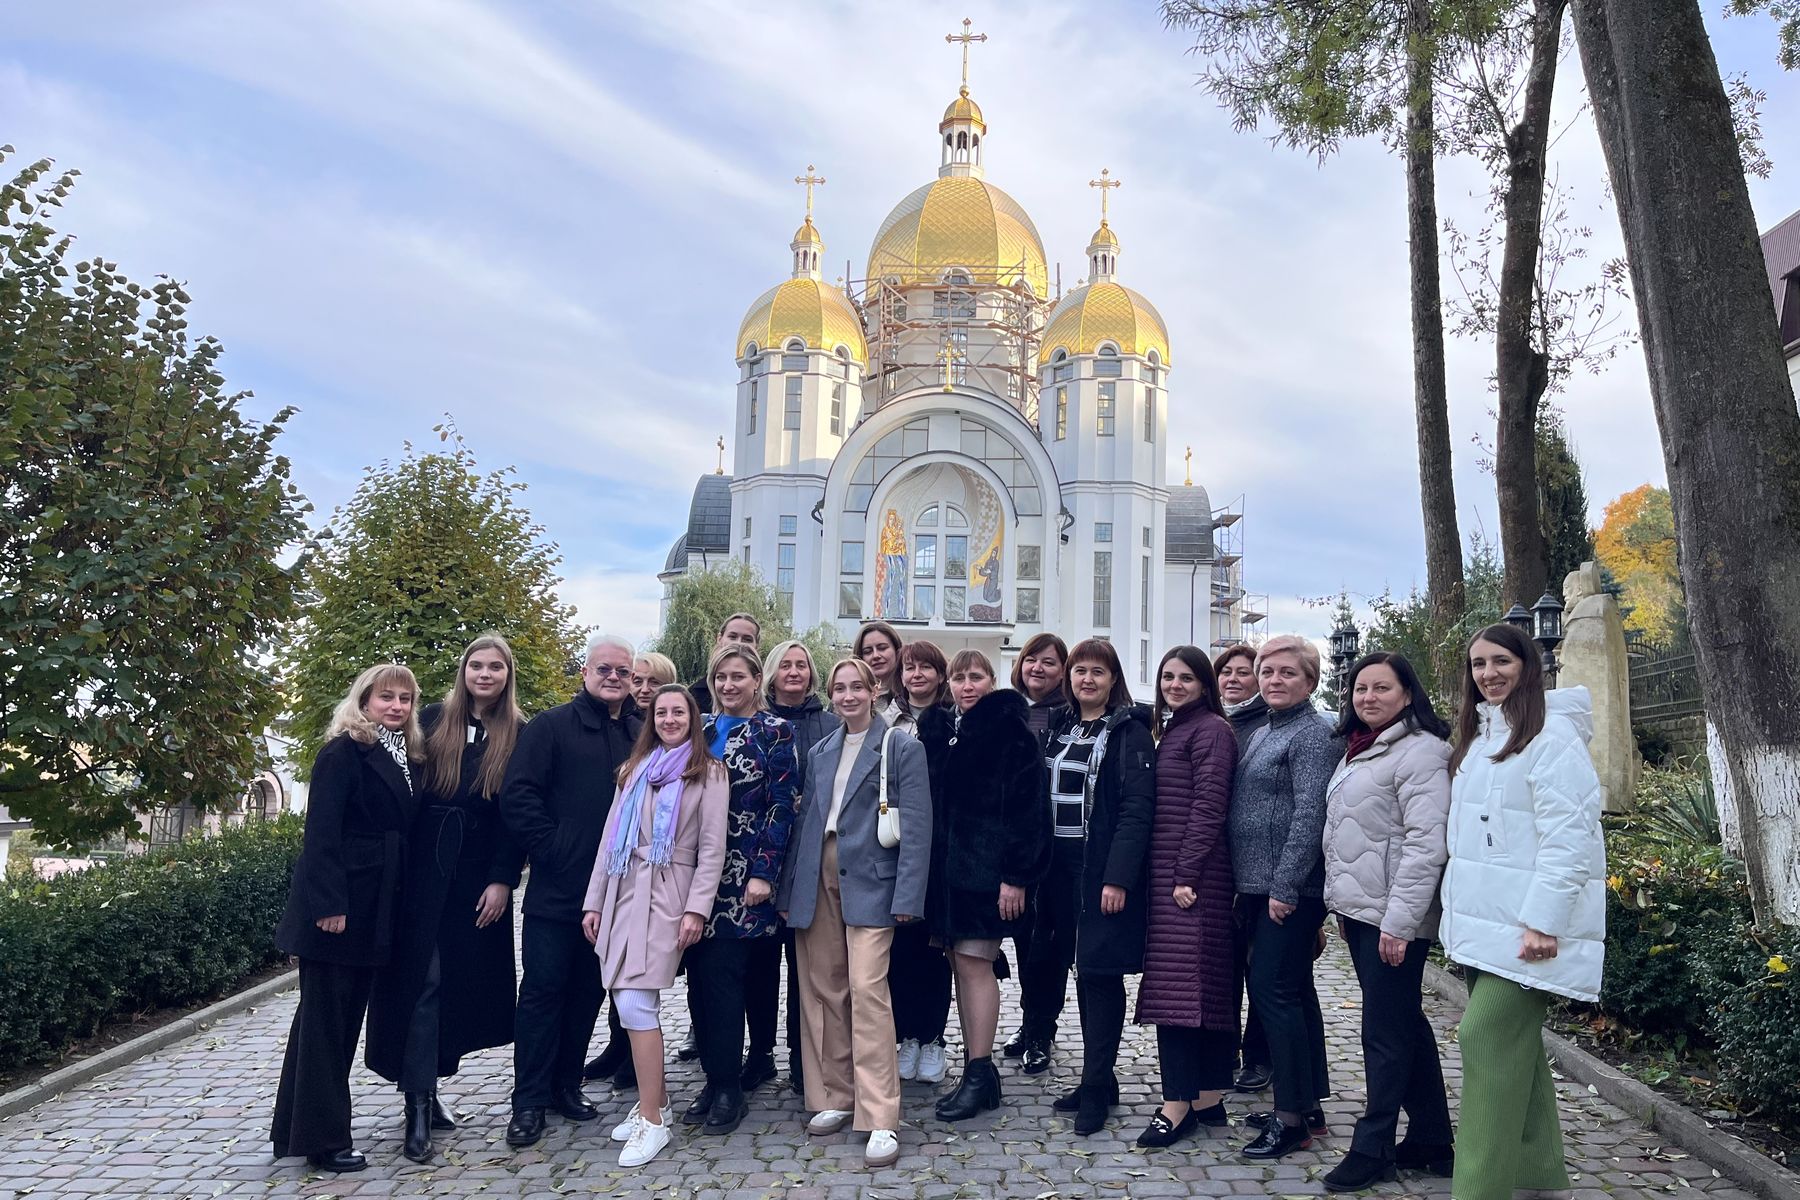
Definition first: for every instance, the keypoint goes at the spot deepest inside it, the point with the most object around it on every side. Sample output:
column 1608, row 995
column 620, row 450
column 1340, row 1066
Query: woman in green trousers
column 1524, row 900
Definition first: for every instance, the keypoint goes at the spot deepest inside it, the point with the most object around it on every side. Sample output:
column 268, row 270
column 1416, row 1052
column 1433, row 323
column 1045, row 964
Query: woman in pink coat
column 652, row 889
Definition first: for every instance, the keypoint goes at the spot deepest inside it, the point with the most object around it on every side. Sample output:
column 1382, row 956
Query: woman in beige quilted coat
column 1386, row 808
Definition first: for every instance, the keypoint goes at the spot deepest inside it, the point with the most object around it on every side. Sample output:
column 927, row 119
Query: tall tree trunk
column 1730, row 434
column 1522, row 368
column 1431, row 403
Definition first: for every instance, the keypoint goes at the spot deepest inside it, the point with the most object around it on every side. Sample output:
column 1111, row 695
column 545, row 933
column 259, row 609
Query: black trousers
column 1101, row 999
column 1282, row 992
column 762, row 995
column 717, row 971
column 418, row 1071
column 312, row 1102
column 1044, row 975
column 559, row 1001
column 1253, row 1050
column 919, row 984
column 1194, row 1060
column 1400, row 1052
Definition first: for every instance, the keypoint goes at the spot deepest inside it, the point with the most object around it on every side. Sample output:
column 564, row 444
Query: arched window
column 1061, row 369
column 1150, row 378
column 940, row 563
column 794, row 359
column 1108, row 365
column 954, row 300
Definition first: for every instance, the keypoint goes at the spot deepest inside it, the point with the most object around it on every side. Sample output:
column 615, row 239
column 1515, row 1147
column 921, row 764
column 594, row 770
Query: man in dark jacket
column 558, row 791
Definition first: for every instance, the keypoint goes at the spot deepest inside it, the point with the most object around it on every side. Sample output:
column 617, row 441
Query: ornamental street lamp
column 1345, row 641
column 1547, row 614
column 1519, row 619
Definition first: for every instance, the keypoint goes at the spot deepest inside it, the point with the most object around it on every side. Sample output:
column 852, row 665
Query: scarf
column 1362, row 739
column 662, row 772
column 1232, row 710
column 395, row 744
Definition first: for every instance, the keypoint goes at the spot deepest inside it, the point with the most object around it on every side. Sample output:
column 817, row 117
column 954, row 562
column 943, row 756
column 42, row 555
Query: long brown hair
column 1194, row 659
column 1102, row 652
column 700, row 755
column 1523, row 707
column 444, row 748
column 892, row 684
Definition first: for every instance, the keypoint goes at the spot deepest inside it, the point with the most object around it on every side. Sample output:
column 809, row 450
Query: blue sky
column 547, row 219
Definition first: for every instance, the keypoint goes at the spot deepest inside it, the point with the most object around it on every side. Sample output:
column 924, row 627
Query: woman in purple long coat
column 1188, row 991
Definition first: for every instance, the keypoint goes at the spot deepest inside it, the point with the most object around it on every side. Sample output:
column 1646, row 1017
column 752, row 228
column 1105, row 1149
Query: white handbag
column 887, row 821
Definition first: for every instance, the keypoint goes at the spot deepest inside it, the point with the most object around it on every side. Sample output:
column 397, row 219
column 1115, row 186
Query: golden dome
column 1105, row 312
column 808, row 233
column 1104, row 236
column 959, row 221
column 815, row 312
column 963, row 109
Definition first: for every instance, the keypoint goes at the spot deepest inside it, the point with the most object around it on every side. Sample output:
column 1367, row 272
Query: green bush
column 170, row 927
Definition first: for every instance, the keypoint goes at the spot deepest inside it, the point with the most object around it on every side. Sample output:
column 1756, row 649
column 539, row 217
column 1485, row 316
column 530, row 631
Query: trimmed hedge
column 1686, row 964
column 173, row 926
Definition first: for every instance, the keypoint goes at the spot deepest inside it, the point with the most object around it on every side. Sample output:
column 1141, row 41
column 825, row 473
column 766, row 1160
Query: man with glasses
column 558, row 791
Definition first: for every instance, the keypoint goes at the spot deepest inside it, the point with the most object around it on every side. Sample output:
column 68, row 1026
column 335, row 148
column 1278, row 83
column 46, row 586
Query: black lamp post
column 1547, row 614
column 1518, row 618
column 1345, row 643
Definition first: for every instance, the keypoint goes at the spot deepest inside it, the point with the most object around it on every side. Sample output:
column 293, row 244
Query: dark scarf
column 1363, row 738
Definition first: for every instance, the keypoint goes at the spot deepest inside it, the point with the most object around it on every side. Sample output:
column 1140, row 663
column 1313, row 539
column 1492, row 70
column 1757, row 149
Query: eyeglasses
column 605, row 672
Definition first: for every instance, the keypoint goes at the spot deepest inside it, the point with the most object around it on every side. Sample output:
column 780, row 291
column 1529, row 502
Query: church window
column 1031, row 562
column 1144, row 660
column 837, row 409
column 791, row 417
column 793, row 362
column 929, row 518
column 850, row 601
column 1102, row 589
column 1062, row 413
column 850, row 558
column 953, row 517
column 788, row 523
column 1104, row 409
column 1149, row 414
column 1061, row 369
column 1144, row 596
column 1148, row 545
column 924, row 603
column 956, row 604
column 1103, row 531
column 956, row 557
column 1027, row 601
column 843, row 363
column 953, row 348
column 784, row 576
column 1107, row 366
column 746, row 552
column 925, row 556
column 752, row 428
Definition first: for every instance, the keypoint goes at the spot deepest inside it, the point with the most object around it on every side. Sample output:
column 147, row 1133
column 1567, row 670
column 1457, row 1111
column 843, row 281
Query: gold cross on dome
column 1105, row 185
column 811, row 181
column 965, row 37
column 1190, row 466
column 950, row 355
column 721, row 469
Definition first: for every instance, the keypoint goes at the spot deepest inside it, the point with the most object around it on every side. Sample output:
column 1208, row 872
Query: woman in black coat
column 449, row 988
column 341, row 907
column 1093, row 902
column 991, row 832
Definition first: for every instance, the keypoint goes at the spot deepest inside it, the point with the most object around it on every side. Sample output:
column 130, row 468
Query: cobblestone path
column 192, row 1121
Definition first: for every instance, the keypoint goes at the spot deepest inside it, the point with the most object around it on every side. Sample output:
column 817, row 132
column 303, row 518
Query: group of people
column 890, row 824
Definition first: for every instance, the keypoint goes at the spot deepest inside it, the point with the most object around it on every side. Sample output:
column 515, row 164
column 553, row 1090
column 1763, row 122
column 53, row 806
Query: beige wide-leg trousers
column 846, row 1015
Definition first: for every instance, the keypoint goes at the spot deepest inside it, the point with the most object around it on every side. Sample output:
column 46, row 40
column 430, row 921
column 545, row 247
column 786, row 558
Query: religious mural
column 942, row 548
column 890, row 569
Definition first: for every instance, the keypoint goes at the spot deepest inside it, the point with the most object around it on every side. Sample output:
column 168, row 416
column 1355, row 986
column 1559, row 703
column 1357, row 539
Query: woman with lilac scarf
column 652, row 890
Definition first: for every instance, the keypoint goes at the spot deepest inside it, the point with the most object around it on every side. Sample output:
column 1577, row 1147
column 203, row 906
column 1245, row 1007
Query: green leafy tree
column 1406, row 625
column 701, row 602
column 428, row 554
column 140, row 585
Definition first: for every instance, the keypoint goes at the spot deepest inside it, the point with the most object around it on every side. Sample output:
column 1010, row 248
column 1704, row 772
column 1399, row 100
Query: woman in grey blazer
column 843, row 893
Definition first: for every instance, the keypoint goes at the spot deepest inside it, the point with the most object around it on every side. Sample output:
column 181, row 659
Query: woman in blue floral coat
column 758, row 751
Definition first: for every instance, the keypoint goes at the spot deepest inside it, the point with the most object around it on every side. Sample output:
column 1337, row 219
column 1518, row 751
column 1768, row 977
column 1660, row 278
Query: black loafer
column 1273, row 1142
column 1015, row 1047
column 728, row 1111
column 440, row 1115
column 1090, row 1117
column 576, row 1107
column 340, row 1161
column 1252, row 1078
column 1036, row 1058
column 1069, row 1101
column 526, row 1129
column 1315, row 1121
column 1164, row 1132
column 1213, row 1118
column 1432, row 1158
column 758, row 1070
column 1358, row 1171
column 695, row 1113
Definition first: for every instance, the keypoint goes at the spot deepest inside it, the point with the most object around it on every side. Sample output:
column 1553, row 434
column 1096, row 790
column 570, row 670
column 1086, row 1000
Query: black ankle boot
column 1093, row 1109
column 976, row 1093
column 418, row 1127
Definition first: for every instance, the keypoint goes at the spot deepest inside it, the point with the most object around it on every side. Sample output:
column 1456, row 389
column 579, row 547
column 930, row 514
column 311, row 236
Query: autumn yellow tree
column 1636, row 542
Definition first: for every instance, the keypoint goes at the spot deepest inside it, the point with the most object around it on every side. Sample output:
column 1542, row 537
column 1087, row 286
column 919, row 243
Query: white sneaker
column 909, row 1058
column 882, row 1150
column 646, row 1142
column 931, row 1062
column 828, row 1122
column 623, row 1130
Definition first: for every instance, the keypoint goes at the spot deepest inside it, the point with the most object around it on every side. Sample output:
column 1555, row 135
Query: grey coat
column 1277, row 819
column 877, row 884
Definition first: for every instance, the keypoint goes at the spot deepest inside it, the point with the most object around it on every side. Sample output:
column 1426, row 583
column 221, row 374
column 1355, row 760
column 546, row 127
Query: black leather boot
column 977, row 1092
column 417, row 1145
column 440, row 1115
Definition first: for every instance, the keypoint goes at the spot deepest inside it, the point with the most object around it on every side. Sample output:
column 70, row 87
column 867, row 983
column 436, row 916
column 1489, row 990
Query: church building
column 948, row 446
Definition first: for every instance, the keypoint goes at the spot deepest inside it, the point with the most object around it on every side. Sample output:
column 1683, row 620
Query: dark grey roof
column 677, row 560
column 1188, row 525
column 709, row 517
column 1781, row 251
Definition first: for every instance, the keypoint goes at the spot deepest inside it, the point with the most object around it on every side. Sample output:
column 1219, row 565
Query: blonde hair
column 863, row 670
column 779, row 653
column 444, row 750
column 349, row 717
column 751, row 659
column 1299, row 647
column 662, row 667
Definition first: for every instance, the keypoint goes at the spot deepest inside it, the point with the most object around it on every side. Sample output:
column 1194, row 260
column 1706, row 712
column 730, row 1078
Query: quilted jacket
column 1384, row 833
column 1526, row 853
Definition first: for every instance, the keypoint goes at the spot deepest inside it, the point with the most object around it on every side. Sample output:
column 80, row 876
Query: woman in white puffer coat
column 1524, row 901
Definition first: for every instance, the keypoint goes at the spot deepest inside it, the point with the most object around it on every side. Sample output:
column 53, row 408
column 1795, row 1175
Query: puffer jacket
column 1384, row 833
column 1526, row 853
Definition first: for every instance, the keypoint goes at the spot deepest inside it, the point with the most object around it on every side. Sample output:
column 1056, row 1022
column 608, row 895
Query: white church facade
column 947, row 446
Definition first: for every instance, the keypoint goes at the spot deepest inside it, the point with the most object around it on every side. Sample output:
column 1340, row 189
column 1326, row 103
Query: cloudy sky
column 546, row 219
